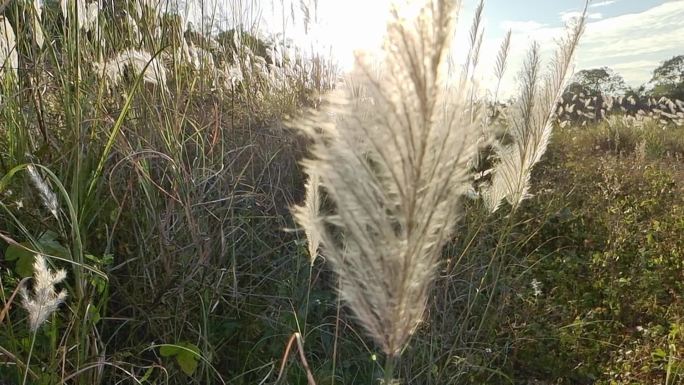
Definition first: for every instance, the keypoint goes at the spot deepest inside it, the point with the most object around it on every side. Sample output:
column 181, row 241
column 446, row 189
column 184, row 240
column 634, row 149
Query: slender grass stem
column 30, row 354
column 388, row 372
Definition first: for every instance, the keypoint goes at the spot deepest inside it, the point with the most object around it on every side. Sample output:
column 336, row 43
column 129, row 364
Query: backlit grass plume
column 9, row 60
column 140, row 62
column 47, row 195
column 308, row 214
column 530, row 122
column 394, row 162
column 43, row 299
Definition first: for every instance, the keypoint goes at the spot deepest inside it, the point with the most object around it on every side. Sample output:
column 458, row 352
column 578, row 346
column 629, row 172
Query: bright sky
column 630, row 36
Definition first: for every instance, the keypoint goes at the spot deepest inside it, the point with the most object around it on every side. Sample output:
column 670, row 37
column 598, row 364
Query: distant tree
column 668, row 78
column 635, row 92
column 599, row 81
column 576, row 88
column 584, row 97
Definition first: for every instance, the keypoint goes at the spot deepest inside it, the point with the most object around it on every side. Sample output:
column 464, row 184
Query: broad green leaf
column 192, row 347
column 169, row 350
column 186, row 355
column 24, row 265
column 187, row 362
column 15, row 252
column 49, row 244
column 659, row 354
column 99, row 284
column 94, row 315
column 24, row 258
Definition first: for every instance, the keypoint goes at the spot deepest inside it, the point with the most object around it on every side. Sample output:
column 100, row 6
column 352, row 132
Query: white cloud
column 566, row 16
column 637, row 72
column 521, row 26
column 632, row 44
column 603, row 3
column 657, row 31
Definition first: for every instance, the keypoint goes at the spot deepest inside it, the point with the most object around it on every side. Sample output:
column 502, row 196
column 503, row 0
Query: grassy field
column 182, row 209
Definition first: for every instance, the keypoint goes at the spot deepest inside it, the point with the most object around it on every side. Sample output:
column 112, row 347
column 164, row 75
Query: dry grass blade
column 300, row 348
column 9, row 302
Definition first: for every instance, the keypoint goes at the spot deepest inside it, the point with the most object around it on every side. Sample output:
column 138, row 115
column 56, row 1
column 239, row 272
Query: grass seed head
column 43, row 300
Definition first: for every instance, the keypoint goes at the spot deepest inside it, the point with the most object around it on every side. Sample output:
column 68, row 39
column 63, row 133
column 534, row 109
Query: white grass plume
column 395, row 166
column 530, row 123
column 90, row 20
column 308, row 215
column 501, row 63
column 47, row 195
column 200, row 58
column 64, row 6
column 43, row 300
column 9, row 59
column 137, row 61
column 37, row 14
column 232, row 76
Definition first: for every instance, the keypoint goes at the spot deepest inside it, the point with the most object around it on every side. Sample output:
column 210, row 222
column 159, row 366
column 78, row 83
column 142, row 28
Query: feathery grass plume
column 501, row 62
column 133, row 25
column 64, row 6
column 309, row 213
column 9, row 60
column 37, row 13
column 232, row 76
column 137, row 61
column 395, row 167
column 155, row 6
column 476, row 35
column 47, row 195
column 43, row 299
column 91, row 17
column 530, row 123
column 86, row 13
column 199, row 58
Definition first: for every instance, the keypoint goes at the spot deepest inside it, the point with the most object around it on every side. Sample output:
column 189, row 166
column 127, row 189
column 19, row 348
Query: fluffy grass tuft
column 395, row 167
column 43, row 299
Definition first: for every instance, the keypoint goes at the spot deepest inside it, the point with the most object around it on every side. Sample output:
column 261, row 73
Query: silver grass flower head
column 308, row 215
column 395, row 168
column 134, row 27
column 9, row 59
column 37, row 25
column 91, row 17
column 64, row 6
column 183, row 52
column 193, row 57
column 530, row 122
column 138, row 8
column 153, row 5
column 199, row 58
column 82, row 10
column 155, row 73
column 47, row 195
column 43, row 300
column 232, row 76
